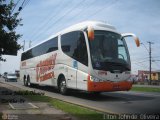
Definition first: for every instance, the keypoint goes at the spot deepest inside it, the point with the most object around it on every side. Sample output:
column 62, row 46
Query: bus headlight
column 95, row 79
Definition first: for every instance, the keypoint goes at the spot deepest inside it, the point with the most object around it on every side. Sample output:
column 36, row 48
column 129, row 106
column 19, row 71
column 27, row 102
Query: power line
column 71, row 10
column 94, row 13
column 97, row 10
column 83, row 7
column 145, row 47
column 86, row 8
column 23, row 2
column 141, row 61
column 64, row 15
column 68, row 12
column 23, row 5
column 156, row 57
column 20, row 8
column 102, row 8
column 155, row 62
column 45, row 22
column 26, row 4
column 15, row 6
column 140, row 65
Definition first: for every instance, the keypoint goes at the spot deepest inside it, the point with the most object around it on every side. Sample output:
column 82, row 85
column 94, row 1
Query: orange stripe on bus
column 109, row 86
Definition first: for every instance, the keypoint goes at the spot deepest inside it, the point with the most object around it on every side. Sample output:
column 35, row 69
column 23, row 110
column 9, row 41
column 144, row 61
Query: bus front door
column 72, row 77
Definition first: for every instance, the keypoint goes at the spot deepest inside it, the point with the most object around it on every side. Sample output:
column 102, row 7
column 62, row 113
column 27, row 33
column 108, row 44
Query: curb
column 79, row 104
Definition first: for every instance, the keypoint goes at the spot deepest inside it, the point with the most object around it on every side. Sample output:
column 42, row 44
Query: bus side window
column 69, row 43
column 73, row 44
column 80, row 53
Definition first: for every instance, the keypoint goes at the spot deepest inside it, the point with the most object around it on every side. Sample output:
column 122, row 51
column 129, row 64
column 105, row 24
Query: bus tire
column 63, row 86
column 28, row 81
column 24, row 80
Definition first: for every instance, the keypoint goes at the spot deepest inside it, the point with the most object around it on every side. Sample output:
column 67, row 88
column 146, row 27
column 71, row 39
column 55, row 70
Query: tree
column 8, row 25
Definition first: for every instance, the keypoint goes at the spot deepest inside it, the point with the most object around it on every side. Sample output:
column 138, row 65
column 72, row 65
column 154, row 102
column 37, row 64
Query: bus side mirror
column 134, row 36
column 90, row 33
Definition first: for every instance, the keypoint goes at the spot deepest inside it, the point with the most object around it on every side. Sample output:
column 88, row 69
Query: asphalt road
column 109, row 102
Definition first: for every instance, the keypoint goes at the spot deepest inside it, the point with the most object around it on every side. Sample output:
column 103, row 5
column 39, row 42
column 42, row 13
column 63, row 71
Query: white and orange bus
column 89, row 56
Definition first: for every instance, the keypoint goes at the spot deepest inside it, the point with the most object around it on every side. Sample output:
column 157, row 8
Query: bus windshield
column 109, row 52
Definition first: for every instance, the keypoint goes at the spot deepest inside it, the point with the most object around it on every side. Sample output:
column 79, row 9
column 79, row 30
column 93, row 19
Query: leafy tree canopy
column 8, row 25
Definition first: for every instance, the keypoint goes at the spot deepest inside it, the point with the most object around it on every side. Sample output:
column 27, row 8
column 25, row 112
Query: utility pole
column 150, row 60
column 30, row 43
column 23, row 45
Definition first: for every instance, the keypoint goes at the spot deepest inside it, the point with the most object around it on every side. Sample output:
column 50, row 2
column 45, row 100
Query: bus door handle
column 69, row 79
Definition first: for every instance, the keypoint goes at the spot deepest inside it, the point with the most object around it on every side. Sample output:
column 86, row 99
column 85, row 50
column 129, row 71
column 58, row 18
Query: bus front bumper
column 109, row 86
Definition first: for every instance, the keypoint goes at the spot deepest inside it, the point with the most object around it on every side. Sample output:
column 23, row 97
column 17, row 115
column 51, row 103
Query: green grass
column 34, row 97
column 145, row 89
column 38, row 98
column 79, row 112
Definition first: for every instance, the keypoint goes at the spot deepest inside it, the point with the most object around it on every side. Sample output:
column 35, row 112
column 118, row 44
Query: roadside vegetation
column 79, row 112
column 145, row 89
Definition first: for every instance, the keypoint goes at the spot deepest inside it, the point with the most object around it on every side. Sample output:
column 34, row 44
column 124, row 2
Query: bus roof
column 81, row 26
column 84, row 25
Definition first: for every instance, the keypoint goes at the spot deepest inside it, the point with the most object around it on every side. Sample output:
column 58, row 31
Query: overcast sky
column 43, row 18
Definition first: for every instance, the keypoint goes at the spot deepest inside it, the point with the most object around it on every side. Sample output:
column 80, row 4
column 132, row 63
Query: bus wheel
column 28, row 81
column 24, row 80
column 62, row 86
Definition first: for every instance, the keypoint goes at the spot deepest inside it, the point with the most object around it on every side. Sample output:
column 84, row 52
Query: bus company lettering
column 44, row 68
